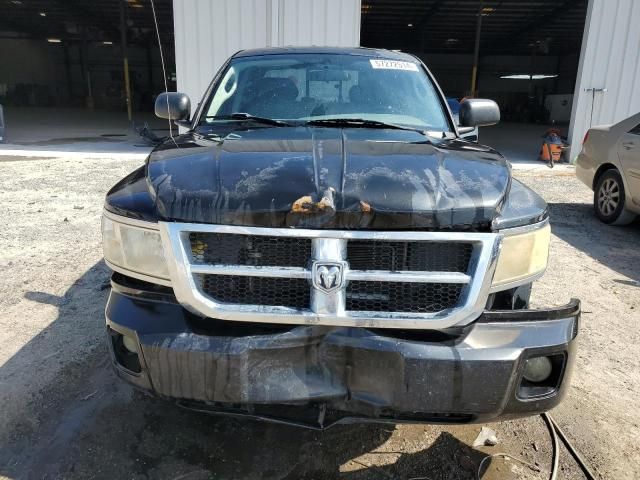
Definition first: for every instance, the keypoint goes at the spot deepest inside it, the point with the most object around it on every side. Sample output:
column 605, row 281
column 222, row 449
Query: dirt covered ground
column 63, row 414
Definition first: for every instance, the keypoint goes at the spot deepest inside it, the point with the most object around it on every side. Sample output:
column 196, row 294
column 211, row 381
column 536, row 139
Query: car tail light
column 586, row 136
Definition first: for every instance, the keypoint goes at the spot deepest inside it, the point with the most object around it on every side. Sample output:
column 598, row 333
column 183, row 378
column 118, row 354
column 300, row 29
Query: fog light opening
column 125, row 351
column 541, row 375
column 537, row 369
column 130, row 344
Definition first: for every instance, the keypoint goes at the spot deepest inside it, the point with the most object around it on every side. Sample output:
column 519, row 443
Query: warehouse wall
column 38, row 75
column 610, row 59
column 453, row 72
column 30, row 73
column 25, row 60
column 207, row 32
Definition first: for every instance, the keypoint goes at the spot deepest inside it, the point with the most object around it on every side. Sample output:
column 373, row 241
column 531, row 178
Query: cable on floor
column 553, row 426
column 554, row 448
column 554, row 444
column 512, row 457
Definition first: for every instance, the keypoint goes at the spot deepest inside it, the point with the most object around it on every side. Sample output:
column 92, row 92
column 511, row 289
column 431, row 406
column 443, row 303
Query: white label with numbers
column 393, row 65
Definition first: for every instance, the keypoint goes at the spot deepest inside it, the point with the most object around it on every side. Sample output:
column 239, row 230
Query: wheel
column 608, row 199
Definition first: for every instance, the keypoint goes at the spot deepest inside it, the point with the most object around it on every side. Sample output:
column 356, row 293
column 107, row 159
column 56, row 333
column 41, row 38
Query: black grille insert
column 256, row 250
column 409, row 255
column 402, row 297
column 285, row 292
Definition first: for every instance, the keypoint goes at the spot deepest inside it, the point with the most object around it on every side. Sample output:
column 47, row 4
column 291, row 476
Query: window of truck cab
column 303, row 87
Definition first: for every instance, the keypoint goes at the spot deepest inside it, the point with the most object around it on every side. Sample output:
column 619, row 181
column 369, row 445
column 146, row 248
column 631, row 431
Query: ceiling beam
column 15, row 24
column 85, row 17
column 538, row 23
column 428, row 15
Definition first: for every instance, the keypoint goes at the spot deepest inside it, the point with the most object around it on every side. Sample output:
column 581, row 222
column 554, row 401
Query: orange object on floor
column 550, row 151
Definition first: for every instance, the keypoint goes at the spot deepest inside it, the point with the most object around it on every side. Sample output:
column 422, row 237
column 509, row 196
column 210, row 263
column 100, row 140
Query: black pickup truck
column 321, row 245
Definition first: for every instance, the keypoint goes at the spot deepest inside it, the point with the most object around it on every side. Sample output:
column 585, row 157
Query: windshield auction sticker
column 393, row 64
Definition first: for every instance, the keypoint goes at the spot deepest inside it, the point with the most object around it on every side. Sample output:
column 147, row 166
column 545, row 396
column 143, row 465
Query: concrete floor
column 519, row 142
column 48, row 132
column 63, row 414
column 69, row 132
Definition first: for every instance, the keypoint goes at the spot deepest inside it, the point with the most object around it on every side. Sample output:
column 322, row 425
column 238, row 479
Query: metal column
column 125, row 59
column 476, row 53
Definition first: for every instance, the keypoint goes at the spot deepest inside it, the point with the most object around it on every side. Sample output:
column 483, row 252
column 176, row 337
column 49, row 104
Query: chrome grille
column 410, row 256
column 402, row 297
column 288, row 292
column 373, row 279
column 266, row 251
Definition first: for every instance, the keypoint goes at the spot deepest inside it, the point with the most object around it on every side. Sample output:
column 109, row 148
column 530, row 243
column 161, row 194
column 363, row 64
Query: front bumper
column 316, row 376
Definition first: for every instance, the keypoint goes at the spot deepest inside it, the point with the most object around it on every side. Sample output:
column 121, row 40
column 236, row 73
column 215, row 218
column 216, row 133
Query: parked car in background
column 469, row 133
column 609, row 164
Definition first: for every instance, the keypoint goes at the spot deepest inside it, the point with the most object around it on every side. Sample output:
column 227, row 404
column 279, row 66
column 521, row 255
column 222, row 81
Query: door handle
column 628, row 145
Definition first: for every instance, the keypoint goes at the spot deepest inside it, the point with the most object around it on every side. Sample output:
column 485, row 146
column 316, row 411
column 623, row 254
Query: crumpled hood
column 310, row 177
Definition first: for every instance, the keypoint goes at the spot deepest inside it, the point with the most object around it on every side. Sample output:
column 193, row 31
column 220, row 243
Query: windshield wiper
column 360, row 122
column 250, row 118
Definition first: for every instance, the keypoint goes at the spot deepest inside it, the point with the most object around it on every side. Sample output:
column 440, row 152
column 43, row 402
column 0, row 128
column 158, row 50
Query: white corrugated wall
column 207, row 32
column 610, row 60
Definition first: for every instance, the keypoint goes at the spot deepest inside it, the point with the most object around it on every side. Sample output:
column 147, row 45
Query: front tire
column 609, row 199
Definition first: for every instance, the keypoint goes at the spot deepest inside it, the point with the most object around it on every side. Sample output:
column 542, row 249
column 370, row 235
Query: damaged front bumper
column 317, row 376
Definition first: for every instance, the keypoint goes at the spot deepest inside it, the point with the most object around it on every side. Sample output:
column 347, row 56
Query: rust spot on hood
column 306, row 204
column 365, row 207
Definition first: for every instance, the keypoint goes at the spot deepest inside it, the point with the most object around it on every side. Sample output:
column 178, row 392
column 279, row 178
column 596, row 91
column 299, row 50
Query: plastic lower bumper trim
column 316, row 376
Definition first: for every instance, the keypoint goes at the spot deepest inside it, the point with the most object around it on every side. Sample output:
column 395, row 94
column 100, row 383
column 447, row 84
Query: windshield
column 303, row 87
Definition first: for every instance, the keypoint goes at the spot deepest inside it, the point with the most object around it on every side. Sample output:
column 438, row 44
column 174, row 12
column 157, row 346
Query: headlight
column 134, row 248
column 522, row 256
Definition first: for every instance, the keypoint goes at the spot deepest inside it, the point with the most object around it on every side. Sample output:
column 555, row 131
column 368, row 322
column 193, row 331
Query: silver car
column 609, row 164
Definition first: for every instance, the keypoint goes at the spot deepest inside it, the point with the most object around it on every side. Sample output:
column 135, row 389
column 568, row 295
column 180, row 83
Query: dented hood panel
column 328, row 178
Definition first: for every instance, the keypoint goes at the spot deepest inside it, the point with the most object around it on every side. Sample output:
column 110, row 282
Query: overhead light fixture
column 16, row 2
column 107, row 42
column 524, row 76
column 54, row 40
column 409, row 24
column 43, row 14
column 452, row 40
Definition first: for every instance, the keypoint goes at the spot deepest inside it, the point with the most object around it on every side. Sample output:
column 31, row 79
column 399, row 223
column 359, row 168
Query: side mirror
column 173, row 106
column 478, row 112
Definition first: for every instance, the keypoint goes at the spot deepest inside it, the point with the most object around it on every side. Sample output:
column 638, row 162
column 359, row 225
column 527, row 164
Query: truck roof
column 361, row 51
